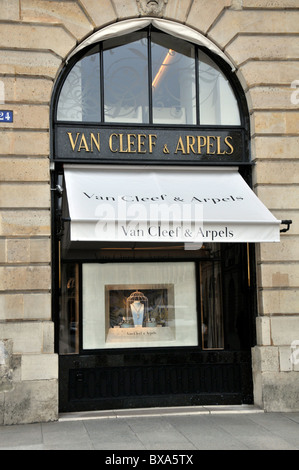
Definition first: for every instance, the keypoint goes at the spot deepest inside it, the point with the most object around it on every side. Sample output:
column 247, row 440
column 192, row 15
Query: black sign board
column 137, row 145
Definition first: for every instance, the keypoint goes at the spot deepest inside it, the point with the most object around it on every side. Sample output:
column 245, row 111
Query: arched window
column 147, row 77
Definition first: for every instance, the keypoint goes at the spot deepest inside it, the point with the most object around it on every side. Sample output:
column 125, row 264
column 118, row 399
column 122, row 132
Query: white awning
column 165, row 204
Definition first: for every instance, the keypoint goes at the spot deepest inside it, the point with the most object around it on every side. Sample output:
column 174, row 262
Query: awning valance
column 165, row 204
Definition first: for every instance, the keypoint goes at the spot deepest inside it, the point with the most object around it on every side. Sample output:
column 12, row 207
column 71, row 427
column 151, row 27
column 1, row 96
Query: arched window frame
column 224, row 68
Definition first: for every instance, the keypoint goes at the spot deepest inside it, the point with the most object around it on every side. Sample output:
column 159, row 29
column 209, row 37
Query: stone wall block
column 235, row 22
column 61, row 12
column 11, row 307
column 9, row 10
column 275, row 147
column 36, row 250
column 25, row 223
column 32, row 402
column 276, row 122
column 277, row 172
column 261, row 73
column 37, row 306
column 34, row 63
column 271, row 97
column 263, row 332
column 278, row 197
column 284, row 330
column 24, row 143
column 27, row 90
column 177, row 10
column 25, row 195
column 266, row 359
column 101, row 13
column 250, row 47
column 279, row 302
column 283, row 4
column 203, row 13
column 29, row 117
column 25, row 306
column 25, row 278
column 285, row 363
column 48, row 337
column 39, row 367
column 27, row 337
column 279, row 275
column 36, row 36
column 24, row 169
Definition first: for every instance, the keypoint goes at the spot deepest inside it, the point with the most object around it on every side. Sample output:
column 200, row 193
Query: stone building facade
column 261, row 39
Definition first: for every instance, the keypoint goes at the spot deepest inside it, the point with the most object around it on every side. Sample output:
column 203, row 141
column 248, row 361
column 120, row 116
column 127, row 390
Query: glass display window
column 139, row 305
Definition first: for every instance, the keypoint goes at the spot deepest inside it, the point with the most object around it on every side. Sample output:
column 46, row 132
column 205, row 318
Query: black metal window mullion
column 102, row 82
column 149, row 66
column 197, row 90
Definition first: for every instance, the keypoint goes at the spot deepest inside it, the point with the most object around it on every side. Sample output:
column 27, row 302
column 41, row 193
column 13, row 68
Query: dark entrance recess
column 184, row 376
column 207, row 126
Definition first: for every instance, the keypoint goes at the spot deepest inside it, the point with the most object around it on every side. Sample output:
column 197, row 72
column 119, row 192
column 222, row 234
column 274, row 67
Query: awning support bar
column 286, row 222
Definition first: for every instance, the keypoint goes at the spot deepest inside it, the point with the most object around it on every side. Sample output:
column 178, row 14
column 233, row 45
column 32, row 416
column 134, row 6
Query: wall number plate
column 6, row 116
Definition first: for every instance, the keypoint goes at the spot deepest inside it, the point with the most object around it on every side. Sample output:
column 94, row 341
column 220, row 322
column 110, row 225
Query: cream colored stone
column 255, row 73
column 284, row 330
column 270, row 3
column 39, row 367
column 24, row 143
column 276, row 172
column 279, row 275
column 35, row 195
column 28, row 251
column 25, row 278
column 100, row 13
column 3, row 255
column 203, row 13
column 286, row 250
column 69, row 14
column 270, row 97
column 37, row 306
column 275, row 147
column 281, row 302
column 25, row 223
column 48, row 337
column 285, row 363
column 29, row 62
column 263, row 337
column 266, row 359
column 9, row 10
column 36, row 36
column 18, row 251
column 29, row 116
column 32, row 402
column 26, row 336
column 264, row 122
column 234, row 22
column 264, row 47
column 24, row 169
column 126, row 8
column 27, row 90
column 279, row 197
column 40, row 250
column 177, row 10
column 11, row 306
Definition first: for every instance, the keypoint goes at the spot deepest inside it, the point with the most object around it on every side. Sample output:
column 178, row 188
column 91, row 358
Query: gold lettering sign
column 200, row 144
column 133, row 143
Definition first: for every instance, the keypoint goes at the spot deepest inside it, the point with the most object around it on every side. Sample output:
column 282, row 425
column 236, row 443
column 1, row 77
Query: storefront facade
column 148, row 159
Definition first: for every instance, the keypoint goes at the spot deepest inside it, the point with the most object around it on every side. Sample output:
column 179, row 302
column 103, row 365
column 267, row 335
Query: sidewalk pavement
column 159, row 430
